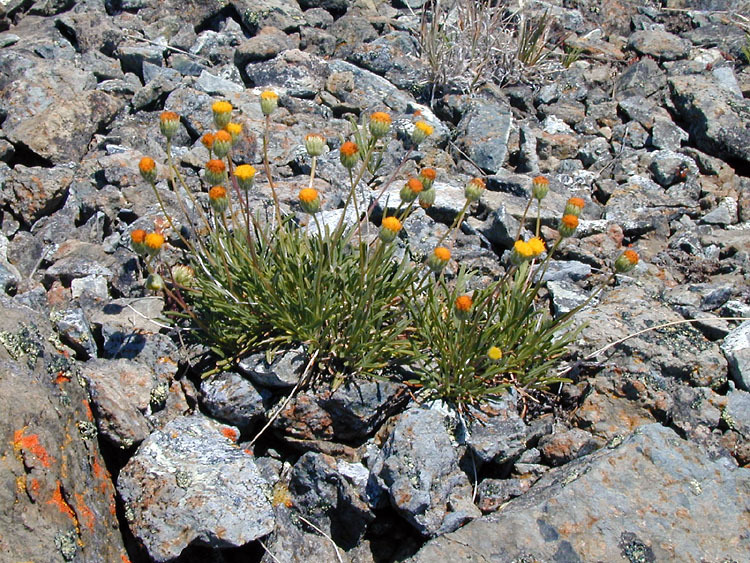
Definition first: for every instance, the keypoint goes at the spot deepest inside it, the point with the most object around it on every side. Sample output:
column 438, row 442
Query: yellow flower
column 234, row 129
column 153, row 243
column 269, row 101
column 222, row 113
column 522, row 251
column 245, row 174
column 380, row 123
column 537, row 246
column 421, row 131
column 389, row 228
column 494, row 353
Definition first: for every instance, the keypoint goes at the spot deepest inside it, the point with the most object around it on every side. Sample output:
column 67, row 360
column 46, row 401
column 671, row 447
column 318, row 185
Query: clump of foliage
column 342, row 288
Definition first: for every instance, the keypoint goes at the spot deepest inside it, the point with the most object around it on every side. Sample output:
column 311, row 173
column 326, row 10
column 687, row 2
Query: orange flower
column 389, row 228
column 147, row 167
column 626, row 261
column 539, row 187
column 473, row 190
column 222, row 143
column 463, row 305
column 439, row 258
column 568, row 225
column 216, row 171
column 380, row 123
column 169, row 121
column 138, row 236
column 309, row 199
column 349, row 154
column 153, row 243
column 216, row 166
column 208, row 140
column 429, row 173
column 574, row 206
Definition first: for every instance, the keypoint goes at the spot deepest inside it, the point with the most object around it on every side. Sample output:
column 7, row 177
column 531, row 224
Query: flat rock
column 32, row 192
column 484, row 133
column 191, row 483
column 736, row 348
column 660, row 45
column 654, row 497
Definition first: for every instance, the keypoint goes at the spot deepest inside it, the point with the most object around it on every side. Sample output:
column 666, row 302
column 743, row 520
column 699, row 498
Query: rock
column 420, row 474
column 190, row 483
column 232, row 398
column 74, row 330
column 329, row 499
column 283, row 371
column 282, row 14
column 566, row 296
column 642, row 78
column 76, row 259
column 350, row 413
column 669, row 167
column 724, row 214
column 561, row 447
column 293, row 72
column 268, row 43
column 493, row 493
column 716, row 118
column 484, row 132
column 737, row 413
column 694, row 407
column 656, row 469
column 495, row 432
column 216, row 85
column 666, row 135
column 660, row 45
column 736, row 348
column 32, row 192
column 57, row 502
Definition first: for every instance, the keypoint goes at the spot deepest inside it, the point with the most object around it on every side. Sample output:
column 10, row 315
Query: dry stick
column 285, row 402
column 322, row 533
column 267, row 168
column 268, row 552
column 645, row 330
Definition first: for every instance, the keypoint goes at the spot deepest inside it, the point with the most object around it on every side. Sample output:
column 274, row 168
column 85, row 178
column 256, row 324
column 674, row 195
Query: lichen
column 67, row 544
column 25, row 342
column 86, row 429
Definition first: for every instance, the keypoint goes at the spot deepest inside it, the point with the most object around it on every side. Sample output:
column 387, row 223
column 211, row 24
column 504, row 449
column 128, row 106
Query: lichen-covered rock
column 230, row 397
column 190, row 482
column 654, row 495
column 736, row 348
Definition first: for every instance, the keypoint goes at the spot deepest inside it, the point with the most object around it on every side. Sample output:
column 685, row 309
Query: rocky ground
column 113, row 448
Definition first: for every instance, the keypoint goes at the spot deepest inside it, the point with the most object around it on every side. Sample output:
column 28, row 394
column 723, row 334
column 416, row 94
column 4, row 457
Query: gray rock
column 329, row 499
column 723, row 214
column 666, row 135
column 737, row 412
column 565, row 295
column 571, row 270
column 283, row 371
column 495, row 432
column 268, row 43
column 642, row 78
column 32, row 192
column 74, row 330
column 693, row 407
column 595, row 151
column 292, row 72
column 716, row 117
column 669, row 167
column 560, row 448
column 190, row 482
column 660, row 45
column 76, row 259
column 216, row 85
column 625, row 501
column 282, row 14
column 501, row 227
column 232, row 398
column 736, row 348
column 483, row 135
column 493, row 493
column 421, row 474
column 132, row 57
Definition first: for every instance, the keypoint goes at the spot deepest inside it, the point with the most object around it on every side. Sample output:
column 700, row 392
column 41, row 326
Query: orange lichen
column 35, row 486
column 85, row 513
column 230, row 433
column 62, row 505
column 31, row 444
column 87, row 410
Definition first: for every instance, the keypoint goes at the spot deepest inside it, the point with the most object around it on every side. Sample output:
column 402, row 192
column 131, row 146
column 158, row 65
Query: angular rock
column 561, row 447
column 493, row 493
column 74, row 329
column 418, row 466
column 283, row 371
column 190, row 483
column 736, row 348
column 660, row 45
column 653, row 497
column 642, row 78
column 496, row 433
column 232, row 398
column 484, row 133
column 737, row 413
column 282, row 14
column 32, row 192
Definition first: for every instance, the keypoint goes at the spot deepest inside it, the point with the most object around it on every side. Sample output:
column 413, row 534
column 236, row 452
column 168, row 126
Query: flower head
column 222, row 113
column 438, row 259
column 169, row 121
column 245, row 174
column 463, row 305
column 389, row 228
column 427, row 198
column 217, row 196
column 380, row 123
column 309, row 199
column 574, row 206
column 421, row 131
column 539, row 187
column 568, row 225
column 153, row 243
column 147, row 167
column 208, row 140
column 536, row 245
column 427, row 176
column 216, row 172
column 522, row 251
column 269, row 101
column 315, row 144
column 473, row 190
column 234, row 129
column 349, row 154
column 626, row 261
column 154, row 282
column 411, row 190
column 137, row 240
column 494, row 353
column 183, row 275
column 222, row 143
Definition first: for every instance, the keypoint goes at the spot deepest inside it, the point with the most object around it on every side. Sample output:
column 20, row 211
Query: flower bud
column 208, row 141
column 349, row 155
column 568, row 225
column 147, row 166
column 427, row 198
column 421, row 131
column 222, row 143
column 154, row 282
column 309, row 199
column 245, row 174
column 269, row 101
column 216, row 172
column 438, row 259
column 463, row 306
column 153, row 243
column 315, row 144
column 234, row 129
column 380, row 124
column 389, row 229
column 473, row 190
column 626, row 261
column 574, row 206
column 494, row 353
column 217, row 196
column 138, row 241
column 169, row 121
column 539, row 187
column 222, row 113
column 411, row 190
column 183, row 275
